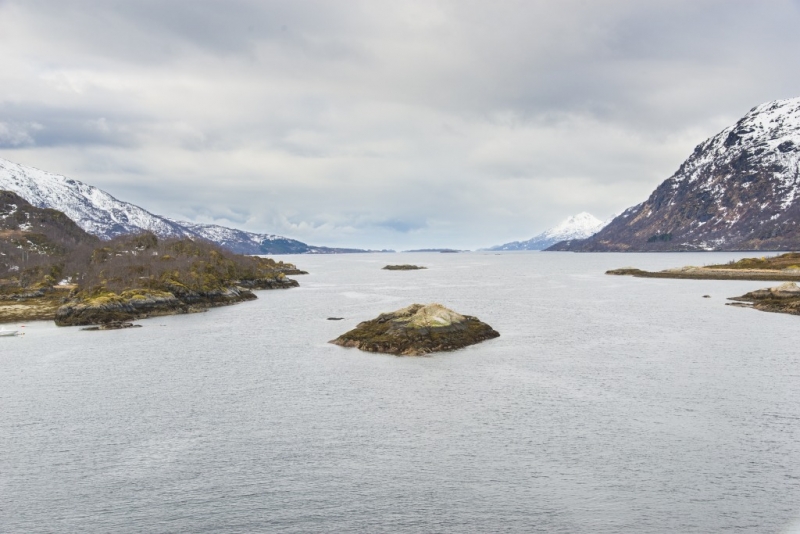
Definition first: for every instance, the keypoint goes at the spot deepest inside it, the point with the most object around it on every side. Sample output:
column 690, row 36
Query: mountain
column 102, row 215
column 738, row 190
column 578, row 226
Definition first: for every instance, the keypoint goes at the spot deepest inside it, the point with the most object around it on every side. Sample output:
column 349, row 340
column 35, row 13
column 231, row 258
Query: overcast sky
column 396, row 124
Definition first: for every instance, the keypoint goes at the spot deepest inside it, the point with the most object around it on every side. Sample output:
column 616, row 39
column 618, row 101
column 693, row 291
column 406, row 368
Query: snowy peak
column 738, row 190
column 578, row 226
column 770, row 132
column 94, row 210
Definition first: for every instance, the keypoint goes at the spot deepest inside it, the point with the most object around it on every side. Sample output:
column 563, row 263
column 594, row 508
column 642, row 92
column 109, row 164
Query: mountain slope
column 739, row 190
column 102, row 215
column 578, row 226
column 36, row 242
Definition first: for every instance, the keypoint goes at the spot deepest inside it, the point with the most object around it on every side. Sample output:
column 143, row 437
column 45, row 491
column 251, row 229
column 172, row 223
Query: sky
column 383, row 124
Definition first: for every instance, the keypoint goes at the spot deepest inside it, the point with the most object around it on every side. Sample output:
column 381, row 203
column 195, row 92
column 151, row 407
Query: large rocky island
column 416, row 330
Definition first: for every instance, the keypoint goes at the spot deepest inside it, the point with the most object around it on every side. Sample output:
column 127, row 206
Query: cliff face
column 739, row 190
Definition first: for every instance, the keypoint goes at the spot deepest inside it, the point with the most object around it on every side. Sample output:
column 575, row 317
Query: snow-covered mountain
column 100, row 214
column 739, row 190
column 92, row 209
column 578, row 226
column 243, row 242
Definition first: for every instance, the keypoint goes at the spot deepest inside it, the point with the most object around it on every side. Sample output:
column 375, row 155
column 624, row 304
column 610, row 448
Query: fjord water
column 608, row 404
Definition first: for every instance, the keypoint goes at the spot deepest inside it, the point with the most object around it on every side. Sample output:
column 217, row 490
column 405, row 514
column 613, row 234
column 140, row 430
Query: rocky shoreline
column 142, row 303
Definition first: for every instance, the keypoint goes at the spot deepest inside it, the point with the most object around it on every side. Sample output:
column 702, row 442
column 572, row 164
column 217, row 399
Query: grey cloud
column 403, row 226
column 345, row 124
column 47, row 126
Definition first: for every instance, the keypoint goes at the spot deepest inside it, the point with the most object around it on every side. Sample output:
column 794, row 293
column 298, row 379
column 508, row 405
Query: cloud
column 348, row 124
column 402, row 226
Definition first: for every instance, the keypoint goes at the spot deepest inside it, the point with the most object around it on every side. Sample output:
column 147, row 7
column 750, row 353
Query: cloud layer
column 383, row 124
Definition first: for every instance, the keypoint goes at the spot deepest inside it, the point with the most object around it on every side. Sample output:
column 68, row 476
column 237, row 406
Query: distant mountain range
column 739, row 190
column 578, row 226
column 102, row 215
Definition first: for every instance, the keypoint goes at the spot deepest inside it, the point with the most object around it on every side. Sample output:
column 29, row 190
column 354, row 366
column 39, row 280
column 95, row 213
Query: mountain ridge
column 103, row 215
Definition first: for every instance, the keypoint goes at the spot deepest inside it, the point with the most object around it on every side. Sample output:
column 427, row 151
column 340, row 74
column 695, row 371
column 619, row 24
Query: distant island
column 405, row 267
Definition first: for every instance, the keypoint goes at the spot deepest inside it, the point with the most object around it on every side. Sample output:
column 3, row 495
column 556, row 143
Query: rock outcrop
column 784, row 298
column 416, row 330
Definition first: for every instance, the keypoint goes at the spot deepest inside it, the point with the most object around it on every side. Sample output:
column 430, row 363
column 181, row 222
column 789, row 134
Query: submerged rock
column 417, row 329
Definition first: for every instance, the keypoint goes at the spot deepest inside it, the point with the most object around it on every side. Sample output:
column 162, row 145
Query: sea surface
column 609, row 404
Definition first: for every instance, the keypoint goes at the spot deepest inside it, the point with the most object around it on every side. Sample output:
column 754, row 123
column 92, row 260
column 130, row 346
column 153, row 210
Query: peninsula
column 782, row 268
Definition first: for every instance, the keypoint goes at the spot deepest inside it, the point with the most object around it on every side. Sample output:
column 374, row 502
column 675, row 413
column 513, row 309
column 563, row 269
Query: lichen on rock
column 416, row 330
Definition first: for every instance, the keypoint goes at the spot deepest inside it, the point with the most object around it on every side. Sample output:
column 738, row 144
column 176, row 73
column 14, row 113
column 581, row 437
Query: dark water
column 609, row 404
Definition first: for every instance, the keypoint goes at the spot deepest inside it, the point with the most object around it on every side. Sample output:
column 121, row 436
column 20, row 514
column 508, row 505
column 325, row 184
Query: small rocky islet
column 417, row 330
column 405, row 267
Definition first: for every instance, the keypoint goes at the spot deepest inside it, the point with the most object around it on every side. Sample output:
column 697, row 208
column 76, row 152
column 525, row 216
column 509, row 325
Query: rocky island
column 782, row 299
column 405, row 267
column 417, row 330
